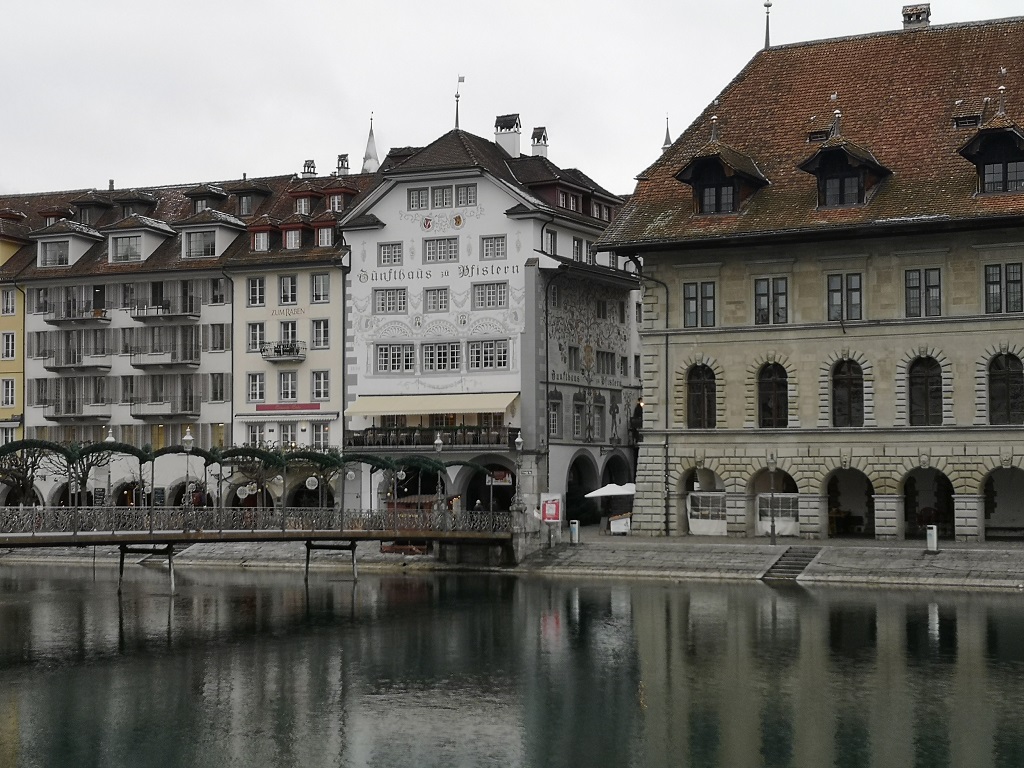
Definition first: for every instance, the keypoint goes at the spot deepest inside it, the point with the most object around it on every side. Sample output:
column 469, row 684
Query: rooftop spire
column 767, row 12
column 370, row 161
column 668, row 136
column 462, row 79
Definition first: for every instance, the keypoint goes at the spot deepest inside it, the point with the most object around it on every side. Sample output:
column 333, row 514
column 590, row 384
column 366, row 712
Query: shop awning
column 415, row 405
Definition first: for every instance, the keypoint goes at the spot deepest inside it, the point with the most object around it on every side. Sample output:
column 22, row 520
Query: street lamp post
column 108, row 440
column 186, row 443
column 771, row 497
column 518, row 506
column 441, row 505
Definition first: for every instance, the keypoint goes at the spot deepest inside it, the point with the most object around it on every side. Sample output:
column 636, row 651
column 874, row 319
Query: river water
column 249, row 668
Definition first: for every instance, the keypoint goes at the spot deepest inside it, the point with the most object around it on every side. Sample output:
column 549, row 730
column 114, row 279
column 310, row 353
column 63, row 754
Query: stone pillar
column 649, row 502
column 813, row 511
column 889, row 523
column 969, row 517
column 739, row 519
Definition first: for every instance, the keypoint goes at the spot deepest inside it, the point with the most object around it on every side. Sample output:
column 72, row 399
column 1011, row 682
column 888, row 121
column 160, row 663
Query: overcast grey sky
column 152, row 93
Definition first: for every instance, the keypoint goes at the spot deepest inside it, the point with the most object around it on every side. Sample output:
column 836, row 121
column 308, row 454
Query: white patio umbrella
column 629, row 489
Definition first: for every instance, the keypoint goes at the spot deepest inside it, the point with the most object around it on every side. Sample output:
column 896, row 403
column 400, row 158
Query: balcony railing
column 422, row 438
column 182, row 406
column 168, row 357
column 73, row 312
column 69, row 409
column 284, row 351
column 76, row 359
column 173, row 308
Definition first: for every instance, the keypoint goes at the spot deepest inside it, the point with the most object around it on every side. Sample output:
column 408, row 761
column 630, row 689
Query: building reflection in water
column 251, row 668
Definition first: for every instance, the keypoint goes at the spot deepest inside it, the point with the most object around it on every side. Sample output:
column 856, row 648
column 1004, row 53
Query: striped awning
column 417, row 405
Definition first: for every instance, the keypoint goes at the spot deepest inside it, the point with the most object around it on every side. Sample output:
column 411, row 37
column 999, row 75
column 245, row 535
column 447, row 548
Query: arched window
column 925, row 376
column 772, row 396
column 700, row 397
column 847, row 395
column 1005, row 390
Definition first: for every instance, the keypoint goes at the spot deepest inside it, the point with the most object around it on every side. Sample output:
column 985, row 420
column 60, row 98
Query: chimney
column 916, row 16
column 506, row 133
column 540, row 141
column 308, row 169
column 343, row 165
column 111, row 185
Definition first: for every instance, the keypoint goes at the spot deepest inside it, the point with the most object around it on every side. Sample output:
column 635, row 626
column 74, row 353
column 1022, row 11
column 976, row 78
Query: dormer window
column 50, row 221
column 245, row 205
column 997, row 151
column 839, row 183
column 127, row 210
column 293, row 239
column 54, row 254
column 722, row 180
column 201, row 245
column 716, row 192
column 325, row 237
column 85, row 216
column 200, row 204
column 1005, row 176
column 302, row 205
column 127, row 248
column 261, row 241
column 846, row 173
column 336, row 203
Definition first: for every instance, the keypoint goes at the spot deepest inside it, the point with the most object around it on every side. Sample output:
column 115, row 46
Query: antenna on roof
column 714, row 128
column 462, row 79
column 668, row 136
column 836, row 127
column 767, row 36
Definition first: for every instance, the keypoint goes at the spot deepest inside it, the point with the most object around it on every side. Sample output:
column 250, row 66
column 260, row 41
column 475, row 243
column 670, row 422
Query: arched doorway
column 704, row 495
column 303, row 496
column 1004, row 514
column 616, row 470
column 244, row 497
column 928, row 500
column 850, row 498
column 131, row 494
column 492, row 490
column 80, row 499
column 581, row 480
column 775, row 496
column 16, row 497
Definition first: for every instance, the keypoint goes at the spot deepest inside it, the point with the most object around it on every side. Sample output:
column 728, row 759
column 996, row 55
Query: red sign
column 551, row 507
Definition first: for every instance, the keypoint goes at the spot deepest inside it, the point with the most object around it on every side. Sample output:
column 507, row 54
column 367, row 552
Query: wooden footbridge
column 160, row 530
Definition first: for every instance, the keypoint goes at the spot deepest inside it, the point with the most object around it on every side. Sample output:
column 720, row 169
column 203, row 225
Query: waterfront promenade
column 998, row 565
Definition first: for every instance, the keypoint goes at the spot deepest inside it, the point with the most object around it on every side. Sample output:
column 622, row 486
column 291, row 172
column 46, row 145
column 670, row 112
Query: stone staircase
column 791, row 564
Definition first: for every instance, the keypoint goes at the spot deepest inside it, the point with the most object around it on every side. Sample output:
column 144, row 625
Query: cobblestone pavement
column 850, row 561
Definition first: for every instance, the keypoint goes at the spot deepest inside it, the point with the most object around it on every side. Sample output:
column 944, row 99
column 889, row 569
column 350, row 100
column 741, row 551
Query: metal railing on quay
column 186, row 519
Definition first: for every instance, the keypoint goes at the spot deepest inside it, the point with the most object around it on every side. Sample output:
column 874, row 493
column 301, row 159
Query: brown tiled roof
column 210, row 216
column 898, row 93
column 458, row 149
column 205, row 190
column 136, row 221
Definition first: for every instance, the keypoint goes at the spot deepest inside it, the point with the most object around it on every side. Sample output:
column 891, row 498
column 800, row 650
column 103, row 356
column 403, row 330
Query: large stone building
column 833, row 297
column 480, row 312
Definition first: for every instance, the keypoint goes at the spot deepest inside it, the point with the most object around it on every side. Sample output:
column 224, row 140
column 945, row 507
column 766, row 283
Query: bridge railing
column 65, row 520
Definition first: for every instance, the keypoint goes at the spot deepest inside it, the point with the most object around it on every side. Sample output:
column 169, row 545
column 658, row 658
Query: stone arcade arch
column 928, row 500
column 703, row 511
column 1004, row 514
column 850, row 501
column 774, row 490
column 616, row 470
column 581, row 479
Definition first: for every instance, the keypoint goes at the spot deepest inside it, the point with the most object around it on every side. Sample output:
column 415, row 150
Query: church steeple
column 370, row 161
column 668, row 136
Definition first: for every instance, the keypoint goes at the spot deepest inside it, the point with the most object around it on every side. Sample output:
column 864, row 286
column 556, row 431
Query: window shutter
column 206, row 338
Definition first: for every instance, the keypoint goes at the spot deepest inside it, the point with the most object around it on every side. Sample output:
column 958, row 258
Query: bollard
column 574, row 531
